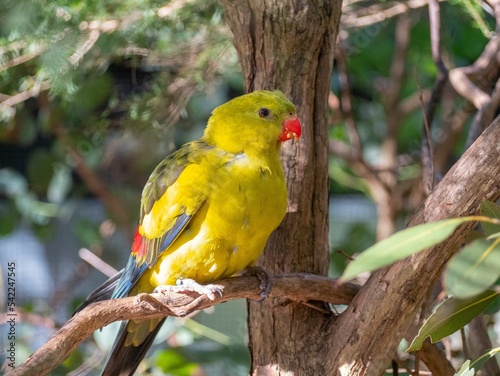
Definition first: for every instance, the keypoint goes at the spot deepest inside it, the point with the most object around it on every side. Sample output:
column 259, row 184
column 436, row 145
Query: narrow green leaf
column 474, row 269
column 492, row 210
column 450, row 316
column 479, row 362
column 492, row 308
column 473, row 235
column 401, row 245
column 465, row 370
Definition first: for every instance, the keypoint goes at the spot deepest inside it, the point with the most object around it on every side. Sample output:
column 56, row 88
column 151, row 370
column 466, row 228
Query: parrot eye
column 264, row 112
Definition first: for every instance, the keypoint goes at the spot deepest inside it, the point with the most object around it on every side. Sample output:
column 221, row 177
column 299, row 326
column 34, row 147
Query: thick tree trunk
column 289, row 45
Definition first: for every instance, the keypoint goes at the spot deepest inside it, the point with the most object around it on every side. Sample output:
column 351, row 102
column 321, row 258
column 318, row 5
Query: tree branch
column 296, row 287
column 381, row 313
column 435, row 359
column 15, row 99
column 379, row 12
column 472, row 81
column 21, row 59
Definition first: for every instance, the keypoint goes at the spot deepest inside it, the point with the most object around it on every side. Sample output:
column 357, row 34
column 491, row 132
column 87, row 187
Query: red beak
column 291, row 129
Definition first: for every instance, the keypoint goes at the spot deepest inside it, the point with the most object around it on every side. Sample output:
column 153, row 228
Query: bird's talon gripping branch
column 266, row 283
column 151, row 301
column 190, row 285
column 140, row 298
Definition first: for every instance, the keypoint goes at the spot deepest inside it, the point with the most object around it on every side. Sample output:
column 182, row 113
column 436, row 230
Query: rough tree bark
column 289, row 45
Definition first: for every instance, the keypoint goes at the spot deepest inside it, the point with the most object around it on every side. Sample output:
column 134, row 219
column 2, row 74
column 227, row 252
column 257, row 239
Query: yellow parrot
column 207, row 211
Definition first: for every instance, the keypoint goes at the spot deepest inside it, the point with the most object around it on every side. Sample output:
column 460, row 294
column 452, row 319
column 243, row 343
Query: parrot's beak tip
column 292, row 129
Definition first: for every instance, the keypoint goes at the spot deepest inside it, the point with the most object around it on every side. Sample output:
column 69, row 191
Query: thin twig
column 427, row 156
column 96, row 262
column 352, row 154
column 392, row 98
column 345, row 255
column 437, row 92
column 346, row 102
column 84, row 48
column 453, row 124
column 22, row 58
column 477, row 17
column 25, row 95
column 377, row 13
column 465, row 347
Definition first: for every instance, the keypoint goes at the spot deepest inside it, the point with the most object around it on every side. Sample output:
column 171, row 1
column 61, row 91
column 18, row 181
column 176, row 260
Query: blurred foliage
column 93, row 90
column 119, row 76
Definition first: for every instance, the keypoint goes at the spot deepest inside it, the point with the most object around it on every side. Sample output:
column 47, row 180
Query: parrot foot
column 266, row 283
column 190, row 285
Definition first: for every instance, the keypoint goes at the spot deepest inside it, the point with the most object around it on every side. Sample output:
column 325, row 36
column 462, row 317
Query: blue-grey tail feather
column 129, row 278
column 124, row 360
column 103, row 292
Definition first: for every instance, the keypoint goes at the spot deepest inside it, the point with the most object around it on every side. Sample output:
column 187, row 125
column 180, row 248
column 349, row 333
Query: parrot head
column 254, row 122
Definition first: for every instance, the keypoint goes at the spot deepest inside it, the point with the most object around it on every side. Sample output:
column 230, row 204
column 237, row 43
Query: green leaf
column 474, row 269
column 473, row 235
column 479, row 362
column 39, row 170
column 493, row 308
column 173, row 362
column 465, row 370
column 492, row 210
column 87, row 233
column 450, row 316
column 9, row 218
column 401, row 245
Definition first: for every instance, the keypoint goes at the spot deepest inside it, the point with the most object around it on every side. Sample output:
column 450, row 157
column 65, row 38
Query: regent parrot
column 207, row 211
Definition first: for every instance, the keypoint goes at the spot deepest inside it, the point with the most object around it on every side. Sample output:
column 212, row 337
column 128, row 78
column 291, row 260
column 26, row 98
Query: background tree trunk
column 289, row 45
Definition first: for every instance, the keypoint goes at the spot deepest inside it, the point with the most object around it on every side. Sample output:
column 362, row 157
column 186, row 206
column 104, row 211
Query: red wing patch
column 139, row 248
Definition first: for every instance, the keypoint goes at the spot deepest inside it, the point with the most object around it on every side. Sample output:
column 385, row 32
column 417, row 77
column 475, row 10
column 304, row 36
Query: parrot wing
column 166, row 209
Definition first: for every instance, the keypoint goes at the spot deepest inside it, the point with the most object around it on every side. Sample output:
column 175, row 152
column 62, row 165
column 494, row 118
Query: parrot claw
column 266, row 283
column 190, row 285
